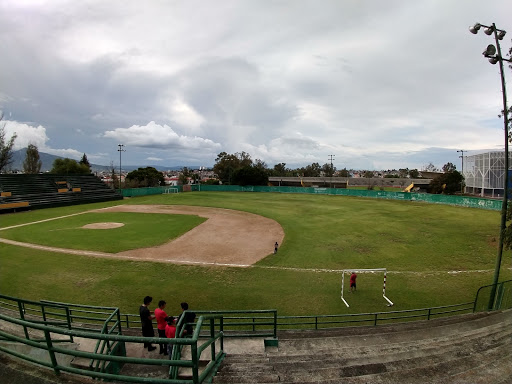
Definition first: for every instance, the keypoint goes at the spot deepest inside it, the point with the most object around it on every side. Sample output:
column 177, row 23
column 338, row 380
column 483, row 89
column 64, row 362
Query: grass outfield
column 418, row 243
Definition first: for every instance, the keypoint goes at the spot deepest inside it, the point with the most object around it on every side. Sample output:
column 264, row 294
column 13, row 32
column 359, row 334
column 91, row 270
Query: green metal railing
column 51, row 360
column 38, row 313
column 58, row 322
column 266, row 323
column 502, row 299
column 376, row 318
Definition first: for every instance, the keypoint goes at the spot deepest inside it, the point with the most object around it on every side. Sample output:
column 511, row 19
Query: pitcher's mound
column 103, row 225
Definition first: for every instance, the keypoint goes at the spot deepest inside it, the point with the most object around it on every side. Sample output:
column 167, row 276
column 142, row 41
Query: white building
column 485, row 173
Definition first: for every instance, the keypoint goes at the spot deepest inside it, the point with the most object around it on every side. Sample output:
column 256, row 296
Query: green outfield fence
column 461, row 201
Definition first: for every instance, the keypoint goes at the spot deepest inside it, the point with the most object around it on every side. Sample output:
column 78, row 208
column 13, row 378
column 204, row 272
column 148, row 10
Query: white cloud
column 154, row 135
column 26, row 134
column 184, row 115
column 372, row 82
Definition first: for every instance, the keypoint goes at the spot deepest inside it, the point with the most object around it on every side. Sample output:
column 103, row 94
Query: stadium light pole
column 331, row 157
column 462, row 169
column 120, row 150
column 493, row 53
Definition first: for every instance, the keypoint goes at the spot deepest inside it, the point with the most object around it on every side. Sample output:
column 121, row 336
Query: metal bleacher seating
column 24, row 191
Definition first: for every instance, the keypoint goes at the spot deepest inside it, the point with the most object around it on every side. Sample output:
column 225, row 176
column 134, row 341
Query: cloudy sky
column 378, row 84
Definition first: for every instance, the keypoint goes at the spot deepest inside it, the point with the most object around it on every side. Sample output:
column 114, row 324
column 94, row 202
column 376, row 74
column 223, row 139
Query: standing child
column 170, row 332
column 275, row 247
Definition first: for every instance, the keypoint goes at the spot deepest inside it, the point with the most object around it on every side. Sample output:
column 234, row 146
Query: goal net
column 170, row 190
column 374, row 270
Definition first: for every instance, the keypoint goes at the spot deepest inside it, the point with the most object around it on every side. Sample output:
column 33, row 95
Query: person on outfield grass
column 353, row 278
column 170, row 332
column 189, row 319
column 275, row 247
column 146, row 322
column 160, row 317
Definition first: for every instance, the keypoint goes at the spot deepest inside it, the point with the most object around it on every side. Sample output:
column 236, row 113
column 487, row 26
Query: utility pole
column 120, row 150
column 331, row 157
column 462, row 160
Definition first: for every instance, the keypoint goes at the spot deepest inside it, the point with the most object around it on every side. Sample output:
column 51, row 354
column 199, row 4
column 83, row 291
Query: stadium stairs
column 23, row 191
column 475, row 348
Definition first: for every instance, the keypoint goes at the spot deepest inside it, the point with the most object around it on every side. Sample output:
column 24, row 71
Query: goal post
column 170, row 190
column 373, row 270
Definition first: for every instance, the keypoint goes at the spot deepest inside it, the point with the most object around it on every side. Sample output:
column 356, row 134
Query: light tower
column 493, row 53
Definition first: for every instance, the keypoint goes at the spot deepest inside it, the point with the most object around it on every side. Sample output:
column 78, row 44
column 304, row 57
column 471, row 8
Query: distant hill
column 47, row 163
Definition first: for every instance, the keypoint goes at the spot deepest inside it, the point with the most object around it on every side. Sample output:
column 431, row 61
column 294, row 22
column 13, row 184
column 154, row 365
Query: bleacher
column 24, row 191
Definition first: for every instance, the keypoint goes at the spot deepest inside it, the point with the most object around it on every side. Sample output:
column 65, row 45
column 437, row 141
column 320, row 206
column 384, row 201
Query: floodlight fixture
column 493, row 60
column 489, row 51
column 475, row 28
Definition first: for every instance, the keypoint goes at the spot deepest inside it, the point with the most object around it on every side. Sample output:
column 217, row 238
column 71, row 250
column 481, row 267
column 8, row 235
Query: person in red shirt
column 170, row 331
column 160, row 317
column 353, row 278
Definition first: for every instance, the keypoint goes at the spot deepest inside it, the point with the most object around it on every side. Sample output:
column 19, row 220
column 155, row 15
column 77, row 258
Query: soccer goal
column 375, row 270
column 170, row 190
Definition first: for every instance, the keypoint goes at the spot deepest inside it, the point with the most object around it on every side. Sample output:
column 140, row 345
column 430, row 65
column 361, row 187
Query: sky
column 377, row 84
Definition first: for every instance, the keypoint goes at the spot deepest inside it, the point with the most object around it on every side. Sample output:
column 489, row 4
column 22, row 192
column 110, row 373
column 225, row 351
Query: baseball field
column 216, row 251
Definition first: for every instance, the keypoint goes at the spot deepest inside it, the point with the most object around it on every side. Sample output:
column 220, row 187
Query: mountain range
column 47, row 163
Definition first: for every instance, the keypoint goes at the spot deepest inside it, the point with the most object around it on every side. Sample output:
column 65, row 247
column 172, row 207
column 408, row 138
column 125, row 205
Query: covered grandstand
column 484, row 173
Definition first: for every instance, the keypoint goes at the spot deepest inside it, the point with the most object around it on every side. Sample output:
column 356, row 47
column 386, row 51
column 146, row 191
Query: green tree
column 5, row 146
column 312, row 170
column 250, row 175
column 69, row 167
column 226, row 165
column 32, row 163
column 113, row 175
column 403, row 172
column 145, row 177
column 85, row 161
column 414, row 173
column 344, row 173
column 447, row 183
column 430, row 167
column 328, row 169
column 368, row 174
column 260, row 164
column 449, row 167
column 280, row 170
column 183, row 177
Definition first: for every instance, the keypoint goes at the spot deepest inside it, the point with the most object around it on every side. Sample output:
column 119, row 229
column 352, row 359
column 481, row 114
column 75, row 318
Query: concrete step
column 344, row 344
column 418, row 349
column 391, row 328
column 466, row 349
column 429, row 372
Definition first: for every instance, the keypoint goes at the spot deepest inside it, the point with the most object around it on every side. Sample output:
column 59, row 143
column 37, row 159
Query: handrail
column 105, row 329
column 502, row 284
column 104, row 358
column 232, row 329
